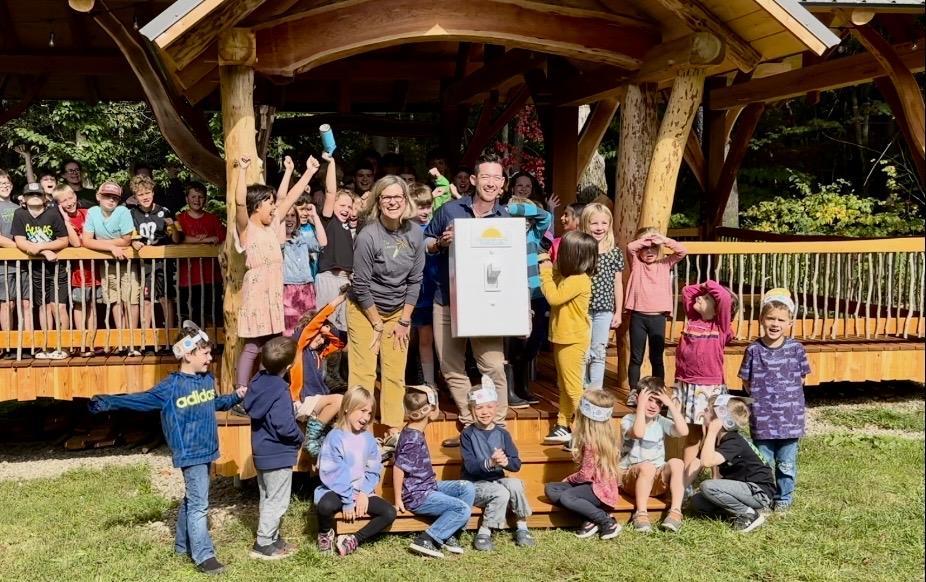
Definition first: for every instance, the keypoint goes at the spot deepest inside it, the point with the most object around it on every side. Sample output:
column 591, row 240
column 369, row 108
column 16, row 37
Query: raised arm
column 678, row 251
column 321, row 235
column 241, row 197
column 567, row 290
column 331, row 185
column 288, row 167
column 27, row 162
column 311, row 167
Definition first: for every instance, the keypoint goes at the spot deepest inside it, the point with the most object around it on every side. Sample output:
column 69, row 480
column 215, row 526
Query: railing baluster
column 835, row 330
column 890, row 291
column 910, row 279
column 804, row 294
column 922, row 295
column 871, row 279
column 826, row 296
column 742, row 266
column 109, row 308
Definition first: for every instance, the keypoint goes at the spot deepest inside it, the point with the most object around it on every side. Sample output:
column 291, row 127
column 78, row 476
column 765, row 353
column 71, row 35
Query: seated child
column 317, row 338
column 643, row 465
column 275, row 442
column 746, row 486
column 488, row 451
column 591, row 492
column 187, row 400
column 349, row 467
column 416, row 486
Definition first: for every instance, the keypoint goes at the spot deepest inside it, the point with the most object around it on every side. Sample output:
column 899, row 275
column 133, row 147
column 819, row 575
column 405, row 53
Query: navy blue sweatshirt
column 476, row 448
column 275, row 436
column 187, row 403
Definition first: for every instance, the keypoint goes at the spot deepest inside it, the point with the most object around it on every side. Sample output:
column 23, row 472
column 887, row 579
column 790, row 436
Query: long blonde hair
column 355, row 397
column 601, row 437
column 585, row 221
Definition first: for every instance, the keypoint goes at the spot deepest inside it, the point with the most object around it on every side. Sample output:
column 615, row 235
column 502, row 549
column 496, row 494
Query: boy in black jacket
column 275, row 442
column 488, row 451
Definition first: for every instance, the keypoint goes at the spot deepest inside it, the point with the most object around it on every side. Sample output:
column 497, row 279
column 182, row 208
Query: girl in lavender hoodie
column 350, row 468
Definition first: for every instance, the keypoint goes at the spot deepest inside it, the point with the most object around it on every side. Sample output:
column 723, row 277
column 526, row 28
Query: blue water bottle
column 327, row 138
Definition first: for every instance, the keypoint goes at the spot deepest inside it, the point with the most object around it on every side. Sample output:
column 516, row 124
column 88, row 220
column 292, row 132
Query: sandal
column 673, row 521
column 641, row 522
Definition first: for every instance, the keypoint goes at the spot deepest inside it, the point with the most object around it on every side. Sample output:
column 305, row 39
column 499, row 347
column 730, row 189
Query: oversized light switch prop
column 489, row 295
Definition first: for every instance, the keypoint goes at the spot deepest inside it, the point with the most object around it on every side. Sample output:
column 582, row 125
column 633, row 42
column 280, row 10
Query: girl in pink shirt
column 649, row 299
column 699, row 370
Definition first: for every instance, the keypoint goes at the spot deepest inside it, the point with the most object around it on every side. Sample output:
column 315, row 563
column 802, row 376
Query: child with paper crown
column 488, row 451
column 415, row 482
column 746, row 485
column 773, row 371
column 592, row 491
column 187, row 401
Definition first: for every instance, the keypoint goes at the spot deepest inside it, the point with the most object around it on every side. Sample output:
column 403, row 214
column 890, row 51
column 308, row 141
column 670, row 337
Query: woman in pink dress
column 259, row 225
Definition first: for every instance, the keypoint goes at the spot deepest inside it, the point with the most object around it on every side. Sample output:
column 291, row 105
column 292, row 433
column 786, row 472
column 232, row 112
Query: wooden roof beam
column 186, row 38
column 88, row 65
column 286, row 49
column 511, row 64
column 9, row 39
column 597, row 123
column 662, row 63
column 698, row 18
column 370, row 124
column 834, row 74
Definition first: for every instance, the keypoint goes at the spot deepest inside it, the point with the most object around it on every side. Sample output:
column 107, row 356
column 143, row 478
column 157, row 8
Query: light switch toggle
column 492, row 276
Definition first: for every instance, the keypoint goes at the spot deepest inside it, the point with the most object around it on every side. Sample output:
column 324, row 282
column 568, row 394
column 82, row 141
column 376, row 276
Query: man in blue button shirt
column 488, row 186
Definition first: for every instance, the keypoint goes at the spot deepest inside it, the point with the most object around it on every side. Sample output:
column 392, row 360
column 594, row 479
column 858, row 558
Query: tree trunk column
column 687, row 91
column 564, row 147
column 236, row 75
column 635, row 150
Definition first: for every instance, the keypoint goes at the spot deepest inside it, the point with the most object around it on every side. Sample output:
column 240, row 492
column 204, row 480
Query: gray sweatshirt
column 388, row 266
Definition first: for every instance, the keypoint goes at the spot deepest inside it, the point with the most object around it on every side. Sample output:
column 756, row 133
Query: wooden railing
column 842, row 289
column 151, row 325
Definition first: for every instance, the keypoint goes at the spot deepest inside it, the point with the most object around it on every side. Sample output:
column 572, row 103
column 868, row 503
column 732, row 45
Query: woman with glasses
column 388, row 262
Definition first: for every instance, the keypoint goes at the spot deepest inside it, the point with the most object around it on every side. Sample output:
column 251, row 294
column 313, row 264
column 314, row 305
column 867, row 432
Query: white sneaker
column 559, row 435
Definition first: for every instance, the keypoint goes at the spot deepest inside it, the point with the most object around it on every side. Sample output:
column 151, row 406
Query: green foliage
column 832, row 209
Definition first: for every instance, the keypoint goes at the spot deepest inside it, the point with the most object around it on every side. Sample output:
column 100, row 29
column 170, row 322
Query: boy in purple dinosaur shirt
column 416, row 486
column 773, row 371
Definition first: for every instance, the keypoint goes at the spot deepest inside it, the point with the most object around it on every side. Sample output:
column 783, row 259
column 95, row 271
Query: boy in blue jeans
column 416, row 485
column 187, row 400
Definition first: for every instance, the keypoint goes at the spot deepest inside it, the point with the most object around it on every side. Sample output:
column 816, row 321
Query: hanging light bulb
column 51, row 39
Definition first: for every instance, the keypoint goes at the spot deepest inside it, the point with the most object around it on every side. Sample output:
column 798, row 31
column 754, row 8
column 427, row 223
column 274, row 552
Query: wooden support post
column 721, row 188
column 908, row 91
column 236, row 57
column 593, row 132
column 562, row 173
column 639, row 122
column 687, row 91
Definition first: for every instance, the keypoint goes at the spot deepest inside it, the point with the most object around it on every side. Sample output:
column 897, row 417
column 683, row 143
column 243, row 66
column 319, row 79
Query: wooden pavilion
column 356, row 63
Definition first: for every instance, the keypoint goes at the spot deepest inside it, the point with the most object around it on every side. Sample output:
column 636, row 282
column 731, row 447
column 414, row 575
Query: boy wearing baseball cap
column 40, row 232
column 109, row 229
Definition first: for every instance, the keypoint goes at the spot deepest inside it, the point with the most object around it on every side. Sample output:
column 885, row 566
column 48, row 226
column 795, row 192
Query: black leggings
column 642, row 328
column 382, row 514
column 580, row 499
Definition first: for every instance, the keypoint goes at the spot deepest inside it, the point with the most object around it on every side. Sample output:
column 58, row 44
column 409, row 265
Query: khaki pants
column 490, row 358
column 362, row 369
column 570, row 372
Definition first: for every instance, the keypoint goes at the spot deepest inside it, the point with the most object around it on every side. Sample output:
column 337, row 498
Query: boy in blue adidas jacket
column 187, row 400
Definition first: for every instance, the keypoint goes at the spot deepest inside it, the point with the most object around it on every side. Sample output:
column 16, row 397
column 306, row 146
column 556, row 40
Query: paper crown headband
column 595, row 412
column 780, row 295
column 483, row 395
column 721, row 408
column 188, row 342
column 427, row 391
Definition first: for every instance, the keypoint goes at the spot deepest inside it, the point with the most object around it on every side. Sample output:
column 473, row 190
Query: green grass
column 858, row 514
column 885, row 418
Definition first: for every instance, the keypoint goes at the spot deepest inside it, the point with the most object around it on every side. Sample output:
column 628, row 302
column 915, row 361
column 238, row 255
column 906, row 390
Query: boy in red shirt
column 85, row 289
column 200, row 279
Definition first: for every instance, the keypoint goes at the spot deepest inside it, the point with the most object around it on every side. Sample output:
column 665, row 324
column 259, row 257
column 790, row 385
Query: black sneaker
column 632, row 397
column 587, row 530
column 515, row 401
column 269, row 552
column 284, row 545
column 559, row 435
column 610, row 531
column 452, row 545
column 238, row 410
column 210, row 566
column 746, row 522
column 424, row 545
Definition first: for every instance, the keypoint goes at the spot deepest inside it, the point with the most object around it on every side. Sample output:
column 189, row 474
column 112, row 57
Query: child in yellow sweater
column 568, row 290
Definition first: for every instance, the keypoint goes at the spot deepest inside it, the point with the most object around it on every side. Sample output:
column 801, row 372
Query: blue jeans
column 452, row 503
column 782, row 454
column 597, row 349
column 192, row 529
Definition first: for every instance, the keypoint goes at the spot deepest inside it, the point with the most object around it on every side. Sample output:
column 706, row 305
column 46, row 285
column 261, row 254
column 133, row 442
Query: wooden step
column 545, row 515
